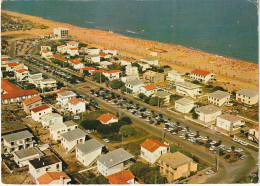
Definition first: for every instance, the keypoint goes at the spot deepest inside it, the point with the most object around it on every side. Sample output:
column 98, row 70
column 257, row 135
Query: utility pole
column 100, row 77
column 155, row 179
column 163, row 136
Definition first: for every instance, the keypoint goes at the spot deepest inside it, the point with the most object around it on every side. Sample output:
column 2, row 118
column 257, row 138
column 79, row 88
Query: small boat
column 130, row 31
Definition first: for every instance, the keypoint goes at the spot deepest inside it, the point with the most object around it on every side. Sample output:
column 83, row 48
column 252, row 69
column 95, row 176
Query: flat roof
column 187, row 85
column 70, row 123
column 49, row 116
column 248, row 92
column 161, row 93
column 208, row 109
column 135, row 82
column 17, row 136
column 90, row 146
column 74, row 134
column 219, row 94
column 67, row 93
column 230, row 117
column 12, row 126
column 176, row 159
column 184, row 101
column 28, row 152
column 44, row 161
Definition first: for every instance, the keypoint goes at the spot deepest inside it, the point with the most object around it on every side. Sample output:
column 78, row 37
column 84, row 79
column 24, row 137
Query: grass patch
column 92, row 115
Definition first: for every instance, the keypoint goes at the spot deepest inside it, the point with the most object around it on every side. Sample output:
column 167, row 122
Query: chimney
column 61, row 180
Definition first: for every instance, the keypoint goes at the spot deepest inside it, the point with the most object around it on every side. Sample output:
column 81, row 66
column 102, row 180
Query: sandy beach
column 232, row 74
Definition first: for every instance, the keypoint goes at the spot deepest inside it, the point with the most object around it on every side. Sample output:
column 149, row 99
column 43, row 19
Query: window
column 58, row 166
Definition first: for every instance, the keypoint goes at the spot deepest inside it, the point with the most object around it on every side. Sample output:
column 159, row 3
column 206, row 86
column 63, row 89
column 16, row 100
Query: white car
column 182, row 136
column 235, row 139
column 147, row 120
column 200, row 137
column 89, row 131
column 164, row 128
column 212, row 148
column 229, row 150
column 191, row 134
column 204, row 138
column 212, row 143
column 239, row 150
column 243, row 157
column 169, row 130
column 174, row 133
column 106, row 140
column 184, row 130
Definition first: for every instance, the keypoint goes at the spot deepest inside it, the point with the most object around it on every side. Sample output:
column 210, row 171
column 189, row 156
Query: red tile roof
column 106, row 117
column 61, row 46
column 49, row 177
column 127, row 59
column 40, row 108
column 8, row 87
column 256, row 127
column 58, row 57
column 95, row 71
column 200, row 72
column 4, row 59
column 22, row 70
column 112, row 71
column 12, row 64
column 121, row 177
column 150, row 87
column 20, row 93
column 72, row 42
column 73, row 48
column 32, row 100
column 103, row 54
column 74, row 61
column 45, row 51
column 74, row 101
column 87, row 68
column 60, row 91
column 151, row 145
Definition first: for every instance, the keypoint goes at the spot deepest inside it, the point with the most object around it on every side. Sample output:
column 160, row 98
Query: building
column 150, row 61
column 51, row 118
column 148, row 89
column 202, row 76
column 144, row 66
column 76, row 64
column 73, row 137
column 129, row 78
column 59, row 128
column 72, row 44
column 61, row 32
column 184, row 105
column 35, row 79
column 122, row 177
column 56, row 178
column 48, row 83
column 112, row 74
column 22, row 157
column 76, row 106
column 18, row 141
column 89, row 69
column 176, row 165
column 229, row 123
column 134, row 85
column 40, row 166
column 87, row 153
column 30, row 103
column 152, row 149
column 63, row 59
column 163, row 95
column 104, row 64
column 22, row 74
column 131, row 71
column 62, row 49
column 127, row 62
column 45, row 48
column 108, row 119
column 188, row 89
column 153, row 77
column 92, row 51
column 208, row 113
column 253, row 133
column 10, row 66
column 219, row 98
column 46, row 54
column 38, row 112
column 247, row 96
column 73, row 51
column 174, row 76
column 94, row 58
column 64, row 97
column 105, row 56
column 12, row 127
column 113, row 162
column 20, row 66
column 110, row 51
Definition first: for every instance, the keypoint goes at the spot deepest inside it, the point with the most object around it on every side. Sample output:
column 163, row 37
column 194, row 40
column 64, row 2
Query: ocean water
column 223, row 27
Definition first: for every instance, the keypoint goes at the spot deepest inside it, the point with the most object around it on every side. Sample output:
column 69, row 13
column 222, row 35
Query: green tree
column 116, row 84
column 90, row 124
column 154, row 101
column 86, row 73
column 127, row 130
column 141, row 95
column 96, row 77
column 30, row 86
column 195, row 115
column 104, row 129
column 126, row 119
column 232, row 148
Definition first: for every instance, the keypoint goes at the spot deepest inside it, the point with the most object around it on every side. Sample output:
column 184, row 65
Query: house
column 219, row 98
column 144, row 66
column 61, row 32
column 45, row 48
column 18, row 140
column 188, row 89
column 35, row 79
column 95, row 58
column 40, row 166
column 72, row 44
column 152, row 149
column 134, row 85
column 122, row 177
column 105, row 64
column 62, row 49
column 148, row 89
column 46, row 54
column 56, row 178
column 153, row 77
column 12, row 127
column 247, row 96
column 63, row 59
column 202, row 76
column 208, row 113
column 112, row 74
column 76, row 63
column 150, row 61
column 97, row 71
column 174, row 76
column 38, row 112
column 64, row 97
column 165, row 96
column 73, row 137
column 59, row 128
column 105, row 56
column 20, row 66
column 229, row 123
column 176, row 165
column 107, row 119
column 110, row 51
column 86, row 69
column 129, row 78
column 184, row 105
column 92, row 51
column 48, row 83
column 51, row 118
column 113, row 162
column 22, row 157
column 73, row 51
column 30, row 103
column 22, row 75
column 127, row 62
column 253, row 133
column 131, row 71
column 76, row 106
column 87, row 152
column 10, row 66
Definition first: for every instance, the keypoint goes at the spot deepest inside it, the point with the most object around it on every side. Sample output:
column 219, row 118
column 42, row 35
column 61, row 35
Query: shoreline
column 237, row 72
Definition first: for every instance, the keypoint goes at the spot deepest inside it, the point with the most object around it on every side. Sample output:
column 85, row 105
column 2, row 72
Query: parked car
column 106, row 140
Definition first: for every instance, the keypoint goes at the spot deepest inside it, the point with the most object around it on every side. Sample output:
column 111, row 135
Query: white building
column 73, row 51
column 208, row 113
column 152, row 149
column 76, row 106
column 10, row 66
column 144, row 66
column 229, row 122
column 112, row 74
column 163, row 95
column 110, row 51
column 184, row 105
column 127, row 61
column 105, row 56
column 22, row 75
column 148, row 89
column 87, row 152
column 174, row 76
column 72, row 44
column 59, row 128
column 253, row 133
column 48, row 83
column 130, row 78
column 247, row 96
column 95, row 58
column 202, row 76
column 64, row 97
column 131, row 71
column 62, row 49
column 23, row 156
column 51, row 118
column 150, row 61
column 61, row 32
column 46, row 54
column 35, row 79
column 134, row 85
column 92, row 51
column 71, row 138
column 18, row 141
column 219, row 98
column 113, row 162
column 188, row 89
column 55, row 178
column 108, row 118
column 40, row 111
column 76, row 63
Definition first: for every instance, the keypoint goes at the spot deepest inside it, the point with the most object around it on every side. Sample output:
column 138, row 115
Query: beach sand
column 232, row 74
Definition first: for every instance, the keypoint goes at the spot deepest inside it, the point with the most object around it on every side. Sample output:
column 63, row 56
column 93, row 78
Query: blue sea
column 224, row 27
